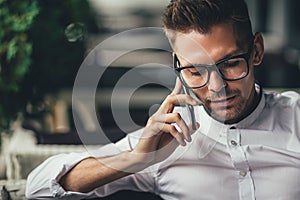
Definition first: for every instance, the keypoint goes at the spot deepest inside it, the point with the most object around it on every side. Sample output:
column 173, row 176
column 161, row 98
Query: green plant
column 36, row 57
column 15, row 50
column 55, row 59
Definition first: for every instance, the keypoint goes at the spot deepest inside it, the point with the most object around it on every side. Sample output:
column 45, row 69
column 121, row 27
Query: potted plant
column 36, row 58
column 15, row 57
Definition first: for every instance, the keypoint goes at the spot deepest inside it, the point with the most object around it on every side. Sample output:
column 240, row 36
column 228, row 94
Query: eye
column 198, row 71
column 230, row 63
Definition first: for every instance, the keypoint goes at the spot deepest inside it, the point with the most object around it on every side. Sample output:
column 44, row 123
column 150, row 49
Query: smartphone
column 191, row 111
column 190, row 108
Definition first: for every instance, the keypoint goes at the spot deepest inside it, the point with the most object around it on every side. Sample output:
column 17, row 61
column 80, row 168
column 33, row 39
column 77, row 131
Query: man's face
column 226, row 101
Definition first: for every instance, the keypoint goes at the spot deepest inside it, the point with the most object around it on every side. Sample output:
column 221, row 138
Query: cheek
column 245, row 92
column 201, row 93
column 245, row 86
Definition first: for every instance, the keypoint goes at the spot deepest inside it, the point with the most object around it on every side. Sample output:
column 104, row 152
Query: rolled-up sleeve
column 43, row 181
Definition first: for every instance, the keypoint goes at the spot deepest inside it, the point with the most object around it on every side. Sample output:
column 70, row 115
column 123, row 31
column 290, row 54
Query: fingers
column 176, row 98
column 165, row 121
column 175, row 120
column 175, row 124
column 193, row 130
column 172, row 130
column 168, row 105
column 178, row 87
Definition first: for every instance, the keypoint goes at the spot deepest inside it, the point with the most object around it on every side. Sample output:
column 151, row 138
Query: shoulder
column 282, row 112
column 285, row 99
column 283, row 106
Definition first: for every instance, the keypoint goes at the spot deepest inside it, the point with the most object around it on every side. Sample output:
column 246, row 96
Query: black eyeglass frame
column 209, row 68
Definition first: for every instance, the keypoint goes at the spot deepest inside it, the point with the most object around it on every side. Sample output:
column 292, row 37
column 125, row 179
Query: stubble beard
column 227, row 114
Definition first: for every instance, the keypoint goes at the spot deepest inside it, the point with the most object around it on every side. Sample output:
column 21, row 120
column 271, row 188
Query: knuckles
column 151, row 120
column 177, row 116
column 173, row 130
column 171, row 97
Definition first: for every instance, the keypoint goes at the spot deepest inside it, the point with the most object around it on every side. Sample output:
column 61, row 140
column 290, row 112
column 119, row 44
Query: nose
column 215, row 83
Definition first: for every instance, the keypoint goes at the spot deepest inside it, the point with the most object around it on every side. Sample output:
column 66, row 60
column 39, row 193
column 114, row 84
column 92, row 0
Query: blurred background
column 44, row 43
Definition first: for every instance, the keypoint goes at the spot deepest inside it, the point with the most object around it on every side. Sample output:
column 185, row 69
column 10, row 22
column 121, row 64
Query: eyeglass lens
column 232, row 69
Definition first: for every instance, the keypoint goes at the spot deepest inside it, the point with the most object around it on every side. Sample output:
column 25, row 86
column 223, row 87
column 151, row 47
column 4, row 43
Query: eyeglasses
column 229, row 69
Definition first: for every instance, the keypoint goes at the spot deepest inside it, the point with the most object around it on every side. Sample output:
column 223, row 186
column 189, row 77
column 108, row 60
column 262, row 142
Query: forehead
column 194, row 47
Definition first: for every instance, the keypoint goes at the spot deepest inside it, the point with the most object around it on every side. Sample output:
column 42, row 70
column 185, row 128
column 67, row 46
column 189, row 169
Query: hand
column 165, row 129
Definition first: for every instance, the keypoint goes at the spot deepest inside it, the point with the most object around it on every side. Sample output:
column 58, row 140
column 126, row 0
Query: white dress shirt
column 257, row 158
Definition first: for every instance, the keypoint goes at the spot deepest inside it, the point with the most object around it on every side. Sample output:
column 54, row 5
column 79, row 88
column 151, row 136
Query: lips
column 223, row 101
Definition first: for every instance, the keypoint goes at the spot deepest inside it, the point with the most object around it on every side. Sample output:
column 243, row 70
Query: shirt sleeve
column 43, row 181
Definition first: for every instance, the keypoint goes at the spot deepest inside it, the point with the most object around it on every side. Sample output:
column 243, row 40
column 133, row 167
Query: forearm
column 159, row 139
column 92, row 173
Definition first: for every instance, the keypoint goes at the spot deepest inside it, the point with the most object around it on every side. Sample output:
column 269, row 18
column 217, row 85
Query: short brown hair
column 202, row 15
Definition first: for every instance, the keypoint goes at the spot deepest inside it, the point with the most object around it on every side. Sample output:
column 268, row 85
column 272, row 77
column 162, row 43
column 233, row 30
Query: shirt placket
column 240, row 163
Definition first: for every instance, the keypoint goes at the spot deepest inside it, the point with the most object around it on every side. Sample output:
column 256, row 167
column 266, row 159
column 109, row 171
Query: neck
column 249, row 109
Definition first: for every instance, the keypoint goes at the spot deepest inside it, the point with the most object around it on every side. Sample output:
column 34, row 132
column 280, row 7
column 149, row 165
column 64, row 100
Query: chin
column 226, row 115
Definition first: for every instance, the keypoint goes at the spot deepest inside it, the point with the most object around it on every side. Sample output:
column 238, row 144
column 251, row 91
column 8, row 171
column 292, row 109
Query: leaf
column 11, row 50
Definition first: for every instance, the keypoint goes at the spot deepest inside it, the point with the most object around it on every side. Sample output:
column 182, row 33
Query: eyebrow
column 233, row 53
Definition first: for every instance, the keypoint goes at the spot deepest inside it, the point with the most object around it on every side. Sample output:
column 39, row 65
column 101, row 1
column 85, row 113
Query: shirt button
column 243, row 173
column 233, row 143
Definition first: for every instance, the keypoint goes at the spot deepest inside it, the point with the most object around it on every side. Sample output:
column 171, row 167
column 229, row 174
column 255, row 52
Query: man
column 247, row 145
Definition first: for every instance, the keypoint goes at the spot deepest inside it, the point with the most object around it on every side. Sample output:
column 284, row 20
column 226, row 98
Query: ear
column 258, row 49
